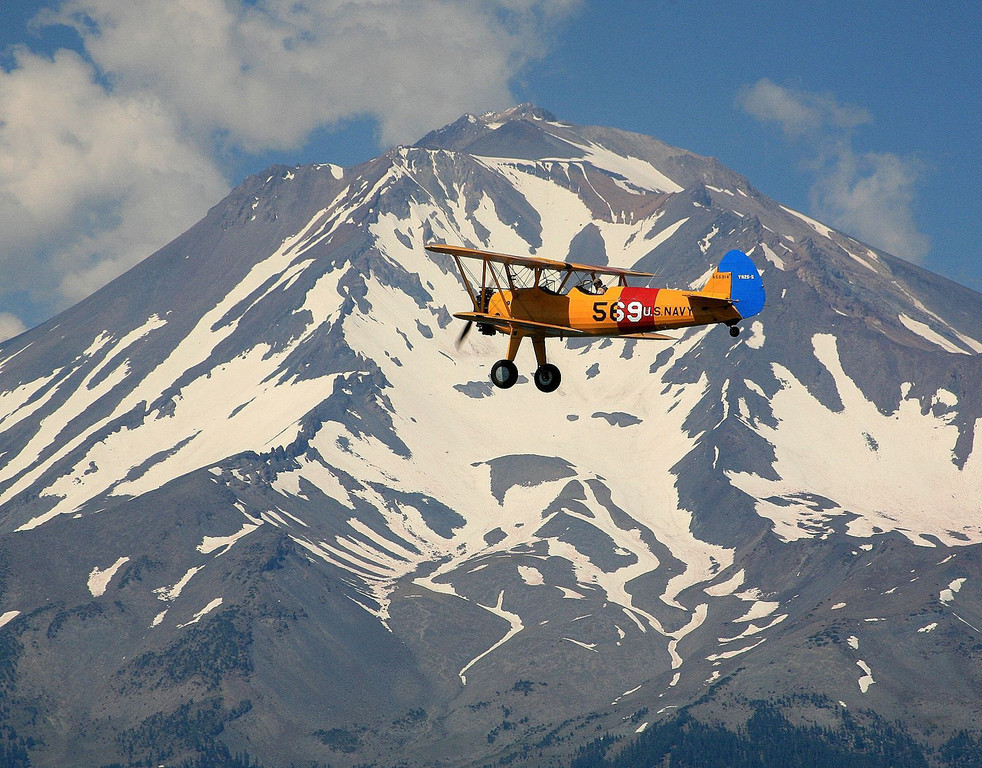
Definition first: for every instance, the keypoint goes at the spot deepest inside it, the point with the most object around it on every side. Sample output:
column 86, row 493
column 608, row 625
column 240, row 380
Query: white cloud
column 868, row 195
column 266, row 74
column 90, row 182
column 872, row 196
column 10, row 326
column 799, row 112
column 108, row 153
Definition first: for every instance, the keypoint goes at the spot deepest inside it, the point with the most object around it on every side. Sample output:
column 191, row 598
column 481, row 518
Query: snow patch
column 756, row 338
column 866, row 680
column 666, row 233
column 169, row 594
column 335, row 170
column 588, row 646
column 626, row 693
column 948, row 595
column 926, row 332
column 727, row 587
column 202, row 613
column 758, row 610
column 210, row 543
column 705, row 242
column 99, row 580
column 772, row 257
column 530, row 575
column 733, row 653
column 816, row 225
column 754, row 629
column 7, row 617
column 865, row 260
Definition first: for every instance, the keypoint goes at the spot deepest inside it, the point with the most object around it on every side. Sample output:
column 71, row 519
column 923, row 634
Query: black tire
column 734, row 331
column 504, row 374
column 547, row 377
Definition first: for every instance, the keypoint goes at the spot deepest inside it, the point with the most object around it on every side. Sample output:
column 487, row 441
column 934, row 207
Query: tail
column 737, row 280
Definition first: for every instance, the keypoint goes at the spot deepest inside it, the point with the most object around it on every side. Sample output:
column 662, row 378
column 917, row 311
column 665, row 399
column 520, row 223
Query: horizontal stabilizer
column 708, row 302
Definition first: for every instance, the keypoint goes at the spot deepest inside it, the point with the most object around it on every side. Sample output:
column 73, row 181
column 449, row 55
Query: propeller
column 463, row 333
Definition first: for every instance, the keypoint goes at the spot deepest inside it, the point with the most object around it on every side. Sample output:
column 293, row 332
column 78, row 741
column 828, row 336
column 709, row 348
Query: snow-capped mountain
column 253, row 499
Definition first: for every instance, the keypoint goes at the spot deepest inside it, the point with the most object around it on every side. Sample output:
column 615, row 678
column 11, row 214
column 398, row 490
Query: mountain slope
column 276, row 512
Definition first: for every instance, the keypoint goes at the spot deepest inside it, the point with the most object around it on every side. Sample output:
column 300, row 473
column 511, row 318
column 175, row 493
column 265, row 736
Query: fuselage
column 611, row 311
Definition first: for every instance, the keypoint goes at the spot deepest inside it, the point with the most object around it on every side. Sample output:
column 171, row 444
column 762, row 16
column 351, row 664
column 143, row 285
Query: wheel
column 734, row 331
column 547, row 377
column 504, row 374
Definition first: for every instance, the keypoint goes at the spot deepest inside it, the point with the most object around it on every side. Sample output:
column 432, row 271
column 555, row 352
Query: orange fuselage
column 610, row 312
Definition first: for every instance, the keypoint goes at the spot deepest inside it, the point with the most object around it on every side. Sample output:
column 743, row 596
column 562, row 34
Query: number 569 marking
column 616, row 311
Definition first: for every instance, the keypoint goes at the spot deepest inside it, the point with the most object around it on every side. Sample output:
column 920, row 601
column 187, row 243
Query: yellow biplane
column 523, row 296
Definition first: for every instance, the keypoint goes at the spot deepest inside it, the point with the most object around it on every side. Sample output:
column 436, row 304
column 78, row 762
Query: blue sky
column 122, row 123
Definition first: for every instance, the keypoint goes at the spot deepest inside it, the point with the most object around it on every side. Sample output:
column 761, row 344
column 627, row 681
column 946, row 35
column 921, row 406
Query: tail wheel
column 734, row 331
column 547, row 377
column 504, row 374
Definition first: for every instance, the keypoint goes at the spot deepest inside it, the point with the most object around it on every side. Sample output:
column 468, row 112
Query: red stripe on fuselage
column 637, row 309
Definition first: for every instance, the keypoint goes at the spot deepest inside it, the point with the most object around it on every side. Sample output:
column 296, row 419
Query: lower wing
column 509, row 324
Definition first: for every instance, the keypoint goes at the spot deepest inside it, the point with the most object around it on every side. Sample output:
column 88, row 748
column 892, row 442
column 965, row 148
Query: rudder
column 746, row 287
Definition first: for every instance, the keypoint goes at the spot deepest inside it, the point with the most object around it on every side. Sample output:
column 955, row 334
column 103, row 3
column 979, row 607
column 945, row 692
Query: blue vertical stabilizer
column 746, row 287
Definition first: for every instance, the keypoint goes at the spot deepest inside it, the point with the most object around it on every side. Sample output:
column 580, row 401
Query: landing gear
column 734, row 331
column 504, row 374
column 547, row 377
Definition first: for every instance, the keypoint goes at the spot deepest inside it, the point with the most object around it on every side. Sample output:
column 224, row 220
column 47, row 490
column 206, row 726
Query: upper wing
column 531, row 262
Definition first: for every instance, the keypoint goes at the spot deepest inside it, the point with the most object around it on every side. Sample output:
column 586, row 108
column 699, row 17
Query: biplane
column 524, row 296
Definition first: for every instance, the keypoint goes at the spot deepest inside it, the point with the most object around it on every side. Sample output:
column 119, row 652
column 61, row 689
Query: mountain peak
column 467, row 129
column 525, row 111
